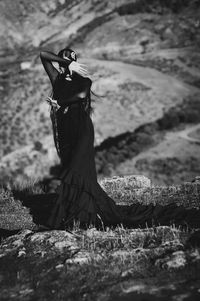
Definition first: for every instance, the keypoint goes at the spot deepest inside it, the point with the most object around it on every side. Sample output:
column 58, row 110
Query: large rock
column 125, row 182
column 176, row 260
column 124, row 189
column 29, row 243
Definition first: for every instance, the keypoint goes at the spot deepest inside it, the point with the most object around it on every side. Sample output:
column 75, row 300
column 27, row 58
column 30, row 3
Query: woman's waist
column 75, row 104
column 71, row 106
column 64, row 106
column 64, row 103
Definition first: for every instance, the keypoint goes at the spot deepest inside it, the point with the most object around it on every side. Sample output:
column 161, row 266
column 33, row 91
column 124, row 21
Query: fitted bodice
column 64, row 90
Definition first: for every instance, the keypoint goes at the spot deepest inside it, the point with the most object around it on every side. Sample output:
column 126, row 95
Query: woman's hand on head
column 78, row 68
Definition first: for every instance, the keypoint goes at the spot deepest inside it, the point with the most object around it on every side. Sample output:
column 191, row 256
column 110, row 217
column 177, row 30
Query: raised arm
column 47, row 58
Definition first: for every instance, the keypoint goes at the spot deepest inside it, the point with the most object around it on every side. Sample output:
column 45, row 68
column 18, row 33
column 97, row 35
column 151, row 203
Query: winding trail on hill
column 162, row 92
column 173, row 54
column 186, row 132
column 149, row 76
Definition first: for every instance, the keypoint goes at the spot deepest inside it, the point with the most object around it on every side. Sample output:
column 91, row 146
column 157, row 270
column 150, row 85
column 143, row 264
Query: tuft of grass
column 13, row 214
column 113, row 239
column 29, row 187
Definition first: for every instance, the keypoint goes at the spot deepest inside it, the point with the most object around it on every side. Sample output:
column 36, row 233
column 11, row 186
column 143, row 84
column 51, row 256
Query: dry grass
column 120, row 238
column 105, row 264
column 87, row 264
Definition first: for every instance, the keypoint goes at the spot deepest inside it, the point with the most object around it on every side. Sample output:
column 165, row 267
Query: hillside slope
column 143, row 57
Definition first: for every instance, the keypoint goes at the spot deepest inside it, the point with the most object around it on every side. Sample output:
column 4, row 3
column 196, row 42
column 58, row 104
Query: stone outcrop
column 69, row 256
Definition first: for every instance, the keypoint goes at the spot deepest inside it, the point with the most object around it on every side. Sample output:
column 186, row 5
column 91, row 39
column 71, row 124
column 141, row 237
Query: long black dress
column 80, row 197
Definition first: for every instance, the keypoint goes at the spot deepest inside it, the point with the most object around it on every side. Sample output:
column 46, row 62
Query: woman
column 80, row 197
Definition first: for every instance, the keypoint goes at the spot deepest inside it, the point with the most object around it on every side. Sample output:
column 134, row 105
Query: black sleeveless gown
column 80, row 198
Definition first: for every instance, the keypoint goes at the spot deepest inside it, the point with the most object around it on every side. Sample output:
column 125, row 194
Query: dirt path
column 175, row 55
column 135, row 95
column 185, row 133
column 149, row 76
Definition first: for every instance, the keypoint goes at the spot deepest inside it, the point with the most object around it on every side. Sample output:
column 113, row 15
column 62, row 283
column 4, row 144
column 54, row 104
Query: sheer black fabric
column 80, row 198
column 66, row 91
column 47, row 58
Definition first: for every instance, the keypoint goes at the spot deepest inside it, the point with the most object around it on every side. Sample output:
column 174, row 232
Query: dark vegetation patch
column 86, row 29
column 156, row 6
column 127, row 145
column 170, row 67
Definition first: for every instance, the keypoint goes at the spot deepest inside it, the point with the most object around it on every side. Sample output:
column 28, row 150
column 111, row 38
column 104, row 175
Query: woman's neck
column 66, row 74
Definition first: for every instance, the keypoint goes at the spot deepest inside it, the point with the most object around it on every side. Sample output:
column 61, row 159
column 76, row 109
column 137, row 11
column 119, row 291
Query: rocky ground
column 151, row 263
column 113, row 265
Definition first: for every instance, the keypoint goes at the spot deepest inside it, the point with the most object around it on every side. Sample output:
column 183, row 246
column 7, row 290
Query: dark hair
column 69, row 53
column 88, row 108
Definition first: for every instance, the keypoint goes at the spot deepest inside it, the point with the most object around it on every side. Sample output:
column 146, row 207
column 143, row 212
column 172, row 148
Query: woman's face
column 68, row 55
column 71, row 55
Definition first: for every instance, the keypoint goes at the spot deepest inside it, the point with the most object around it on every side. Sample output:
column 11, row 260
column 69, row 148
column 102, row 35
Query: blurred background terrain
column 144, row 59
